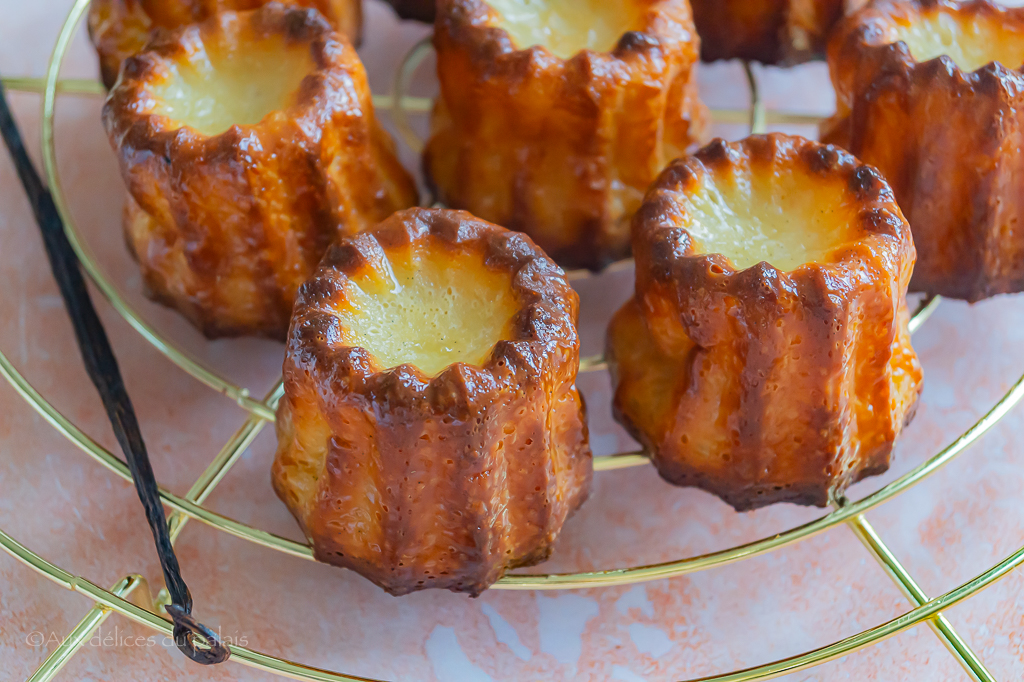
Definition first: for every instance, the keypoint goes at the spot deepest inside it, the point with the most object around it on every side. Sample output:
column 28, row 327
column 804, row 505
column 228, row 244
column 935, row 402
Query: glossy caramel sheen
column 538, row 135
column 121, row 28
column 945, row 133
column 418, row 478
column 766, row 384
column 233, row 204
column 768, row 31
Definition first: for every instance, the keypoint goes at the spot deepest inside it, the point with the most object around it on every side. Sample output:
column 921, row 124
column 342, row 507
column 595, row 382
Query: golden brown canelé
column 431, row 433
column 766, row 355
column 932, row 94
column 248, row 143
column 555, row 115
column 121, row 28
column 782, row 32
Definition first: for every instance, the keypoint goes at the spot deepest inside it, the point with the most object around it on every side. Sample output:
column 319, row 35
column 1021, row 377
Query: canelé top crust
column 530, row 316
column 219, row 90
column 768, row 381
column 908, row 33
column 121, row 28
column 771, row 202
column 973, row 47
column 559, row 133
column 566, row 27
column 189, row 88
column 504, row 34
column 418, row 291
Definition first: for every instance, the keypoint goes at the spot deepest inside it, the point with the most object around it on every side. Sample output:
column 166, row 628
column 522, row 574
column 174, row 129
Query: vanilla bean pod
column 103, row 370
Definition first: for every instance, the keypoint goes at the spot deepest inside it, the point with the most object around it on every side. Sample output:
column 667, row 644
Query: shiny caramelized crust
column 446, row 472
column 281, row 153
column 764, row 384
column 121, row 28
column 767, row 31
column 555, row 116
column 946, row 131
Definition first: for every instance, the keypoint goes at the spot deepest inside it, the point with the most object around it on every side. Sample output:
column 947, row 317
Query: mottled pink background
column 67, row 508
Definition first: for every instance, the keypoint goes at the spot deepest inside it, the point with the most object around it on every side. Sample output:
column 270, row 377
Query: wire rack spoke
column 949, row 637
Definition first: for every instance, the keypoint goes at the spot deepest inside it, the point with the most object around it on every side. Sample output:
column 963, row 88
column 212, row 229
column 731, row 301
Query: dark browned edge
column 548, row 306
column 151, row 133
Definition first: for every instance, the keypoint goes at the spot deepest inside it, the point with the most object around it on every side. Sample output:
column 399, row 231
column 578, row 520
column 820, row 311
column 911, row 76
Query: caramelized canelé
column 932, row 94
column 765, row 356
column 431, row 433
column 555, row 115
column 121, row 28
column 248, row 143
column 768, row 31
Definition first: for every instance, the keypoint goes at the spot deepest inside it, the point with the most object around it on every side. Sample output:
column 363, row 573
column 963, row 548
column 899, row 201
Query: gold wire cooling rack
column 131, row 596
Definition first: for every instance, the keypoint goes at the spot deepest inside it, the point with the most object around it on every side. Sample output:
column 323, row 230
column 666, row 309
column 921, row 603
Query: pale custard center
column 566, row 27
column 786, row 218
column 214, row 89
column 971, row 42
column 430, row 310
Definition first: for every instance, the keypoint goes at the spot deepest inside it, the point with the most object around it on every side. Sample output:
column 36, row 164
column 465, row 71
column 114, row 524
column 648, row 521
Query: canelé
column 765, row 356
column 248, row 143
column 121, row 28
column 932, row 94
column 431, row 433
column 784, row 32
column 555, row 115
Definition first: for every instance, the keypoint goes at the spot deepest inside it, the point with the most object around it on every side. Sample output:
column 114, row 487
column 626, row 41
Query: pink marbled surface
column 67, row 508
